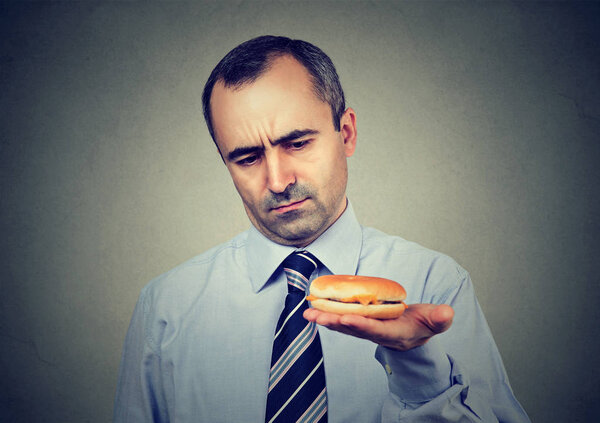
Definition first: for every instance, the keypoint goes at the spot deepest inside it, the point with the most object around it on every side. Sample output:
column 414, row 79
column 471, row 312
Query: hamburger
column 367, row 296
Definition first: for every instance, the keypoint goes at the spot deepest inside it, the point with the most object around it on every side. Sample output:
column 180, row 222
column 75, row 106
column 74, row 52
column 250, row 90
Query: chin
column 297, row 227
column 299, row 233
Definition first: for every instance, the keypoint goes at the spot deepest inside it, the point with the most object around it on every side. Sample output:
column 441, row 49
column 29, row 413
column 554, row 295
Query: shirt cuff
column 416, row 375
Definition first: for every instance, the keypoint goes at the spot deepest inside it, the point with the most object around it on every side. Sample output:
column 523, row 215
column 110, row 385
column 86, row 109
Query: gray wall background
column 479, row 130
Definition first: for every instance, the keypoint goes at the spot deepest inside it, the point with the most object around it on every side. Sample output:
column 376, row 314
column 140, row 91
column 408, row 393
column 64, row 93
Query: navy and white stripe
column 297, row 391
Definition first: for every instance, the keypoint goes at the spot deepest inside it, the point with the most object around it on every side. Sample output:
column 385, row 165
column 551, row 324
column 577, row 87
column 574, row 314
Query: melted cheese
column 364, row 299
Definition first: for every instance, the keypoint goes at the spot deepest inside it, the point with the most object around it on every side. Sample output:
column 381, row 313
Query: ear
column 348, row 131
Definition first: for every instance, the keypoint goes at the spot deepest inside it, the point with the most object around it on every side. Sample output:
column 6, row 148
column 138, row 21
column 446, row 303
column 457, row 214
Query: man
column 203, row 338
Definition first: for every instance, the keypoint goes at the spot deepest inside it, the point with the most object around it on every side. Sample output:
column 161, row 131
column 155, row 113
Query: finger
column 322, row 318
column 311, row 314
column 358, row 326
column 364, row 327
column 334, row 321
column 441, row 318
column 359, row 323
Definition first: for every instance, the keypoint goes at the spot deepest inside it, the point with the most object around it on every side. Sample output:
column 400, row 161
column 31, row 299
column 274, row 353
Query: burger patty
column 358, row 302
column 357, row 299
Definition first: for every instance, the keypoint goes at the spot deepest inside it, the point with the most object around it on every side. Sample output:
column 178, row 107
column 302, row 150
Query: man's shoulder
column 424, row 270
column 192, row 274
column 374, row 239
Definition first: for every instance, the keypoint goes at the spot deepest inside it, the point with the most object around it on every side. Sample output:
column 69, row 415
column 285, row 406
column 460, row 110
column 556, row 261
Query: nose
column 279, row 173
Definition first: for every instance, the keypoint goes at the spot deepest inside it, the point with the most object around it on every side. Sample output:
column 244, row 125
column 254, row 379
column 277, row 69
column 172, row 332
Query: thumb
column 441, row 318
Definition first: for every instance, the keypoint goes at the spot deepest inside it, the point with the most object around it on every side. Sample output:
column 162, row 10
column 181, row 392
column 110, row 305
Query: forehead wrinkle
column 265, row 129
column 250, row 138
column 251, row 134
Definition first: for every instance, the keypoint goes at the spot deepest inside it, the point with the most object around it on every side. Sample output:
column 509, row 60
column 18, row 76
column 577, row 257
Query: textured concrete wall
column 479, row 130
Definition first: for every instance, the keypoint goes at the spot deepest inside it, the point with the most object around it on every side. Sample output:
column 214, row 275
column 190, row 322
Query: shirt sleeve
column 139, row 395
column 457, row 376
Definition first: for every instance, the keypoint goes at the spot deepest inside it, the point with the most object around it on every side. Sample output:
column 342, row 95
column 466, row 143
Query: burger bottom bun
column 375, row 311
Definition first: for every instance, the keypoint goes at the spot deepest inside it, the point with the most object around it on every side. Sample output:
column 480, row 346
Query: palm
column 412, row 329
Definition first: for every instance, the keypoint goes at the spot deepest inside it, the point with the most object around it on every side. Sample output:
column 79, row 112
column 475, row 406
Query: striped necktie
column 297, row 390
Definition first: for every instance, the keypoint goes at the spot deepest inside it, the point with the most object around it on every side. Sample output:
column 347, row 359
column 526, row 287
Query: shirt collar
column 338, row 248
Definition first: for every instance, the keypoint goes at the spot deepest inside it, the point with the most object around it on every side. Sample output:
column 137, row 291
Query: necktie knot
column 298, row 267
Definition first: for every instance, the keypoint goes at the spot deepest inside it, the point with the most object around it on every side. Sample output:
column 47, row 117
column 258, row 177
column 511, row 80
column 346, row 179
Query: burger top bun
column 344, row 286
column 367, row 296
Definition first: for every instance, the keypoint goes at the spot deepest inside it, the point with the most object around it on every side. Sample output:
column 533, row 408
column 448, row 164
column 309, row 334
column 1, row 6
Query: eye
column 248, row 160
column 298, row 145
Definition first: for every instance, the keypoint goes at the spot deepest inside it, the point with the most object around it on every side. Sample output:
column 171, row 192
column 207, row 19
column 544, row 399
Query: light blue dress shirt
column 198, row 348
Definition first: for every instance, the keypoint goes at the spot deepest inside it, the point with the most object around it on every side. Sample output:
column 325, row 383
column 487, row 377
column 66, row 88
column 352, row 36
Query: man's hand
column 412, row 329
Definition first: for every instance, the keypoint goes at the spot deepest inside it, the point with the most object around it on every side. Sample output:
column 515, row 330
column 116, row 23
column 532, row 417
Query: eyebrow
column 290, row 136
column 294, row 135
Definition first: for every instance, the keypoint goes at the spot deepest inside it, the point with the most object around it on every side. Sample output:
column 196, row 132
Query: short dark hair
column 249, row 60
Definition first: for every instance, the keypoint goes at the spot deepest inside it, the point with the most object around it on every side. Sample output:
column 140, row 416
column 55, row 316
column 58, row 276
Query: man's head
column 248, row 61
column 275, row 133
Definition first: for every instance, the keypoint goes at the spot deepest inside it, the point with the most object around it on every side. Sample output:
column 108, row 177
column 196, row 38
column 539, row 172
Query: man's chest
column 215, row 365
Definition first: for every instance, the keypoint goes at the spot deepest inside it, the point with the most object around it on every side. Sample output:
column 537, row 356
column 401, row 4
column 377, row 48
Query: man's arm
column 139, row 397
column 436, row 371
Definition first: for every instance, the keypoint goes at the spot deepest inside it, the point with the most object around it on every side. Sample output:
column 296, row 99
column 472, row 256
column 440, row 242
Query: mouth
column 289, row 207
